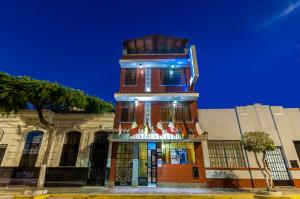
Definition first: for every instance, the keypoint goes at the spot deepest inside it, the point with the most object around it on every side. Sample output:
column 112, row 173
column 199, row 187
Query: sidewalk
column 243, row 193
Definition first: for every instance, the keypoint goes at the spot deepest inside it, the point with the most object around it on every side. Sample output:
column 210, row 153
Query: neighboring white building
column 225, row 128
column 80, row 152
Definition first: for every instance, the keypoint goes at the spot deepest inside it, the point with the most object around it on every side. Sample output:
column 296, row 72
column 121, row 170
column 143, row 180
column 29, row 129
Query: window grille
column 172, row 76
column 127, row 112
column 143, row 169
column 70, row 149
column 166, row 112
column 277, row 166
column 226, row 153
column 178, row 153
column 179, row 113
column 182, row 112
column 124, row 164
column 130, row 76
column 31, row 149
column 2, row 151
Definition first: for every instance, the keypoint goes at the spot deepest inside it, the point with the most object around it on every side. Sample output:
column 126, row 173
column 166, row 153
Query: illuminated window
column 127, row 112
column 178, row 153
column 166, row 112
column 226, row 153
column 130, row 76
column 179, row 113
column 172, row 76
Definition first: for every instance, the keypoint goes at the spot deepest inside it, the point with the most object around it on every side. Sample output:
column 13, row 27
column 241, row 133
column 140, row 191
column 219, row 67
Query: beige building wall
column 16, row 128
column 283, row 125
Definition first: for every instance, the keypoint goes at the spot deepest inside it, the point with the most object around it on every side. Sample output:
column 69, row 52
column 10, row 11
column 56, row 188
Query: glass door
column 147, row 164
column 151, row 164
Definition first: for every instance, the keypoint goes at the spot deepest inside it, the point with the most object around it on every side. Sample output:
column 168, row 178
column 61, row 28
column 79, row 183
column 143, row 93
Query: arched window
column 31, row 149
column 70, row 149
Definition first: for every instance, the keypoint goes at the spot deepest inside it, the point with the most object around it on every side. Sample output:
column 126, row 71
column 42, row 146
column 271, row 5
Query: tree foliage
column 23, row 92
column 258, row 142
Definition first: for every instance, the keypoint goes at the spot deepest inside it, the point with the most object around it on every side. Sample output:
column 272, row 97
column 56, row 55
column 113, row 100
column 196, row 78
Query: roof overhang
column 156, row 96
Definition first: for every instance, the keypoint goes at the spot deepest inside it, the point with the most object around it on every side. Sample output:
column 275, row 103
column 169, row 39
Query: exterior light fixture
column 141, row 66
column 174, row 102
column 136, row 102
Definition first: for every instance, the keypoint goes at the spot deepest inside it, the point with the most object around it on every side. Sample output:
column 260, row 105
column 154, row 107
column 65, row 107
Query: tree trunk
column 42, row 174
column 43, row 167
column 262, row 171
column 267, row 169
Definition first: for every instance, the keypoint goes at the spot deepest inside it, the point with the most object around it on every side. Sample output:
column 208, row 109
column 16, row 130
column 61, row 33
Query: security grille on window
column 172, row 76
column 182, row 112
column 226, row 153
column 166, row 112
column 127, row 112
column 130, row 76
column 2, row 151
column 70, row 149
column 178, row 153
column 179, row 113
column 31, row 149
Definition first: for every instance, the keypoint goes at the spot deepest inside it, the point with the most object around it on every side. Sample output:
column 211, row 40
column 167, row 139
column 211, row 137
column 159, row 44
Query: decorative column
column 205, row 153
column 108, row 163
column 135, row 165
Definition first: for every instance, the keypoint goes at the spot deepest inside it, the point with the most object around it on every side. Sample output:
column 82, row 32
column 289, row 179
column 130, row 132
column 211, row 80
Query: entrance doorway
column 147, row 164
column 97, row 159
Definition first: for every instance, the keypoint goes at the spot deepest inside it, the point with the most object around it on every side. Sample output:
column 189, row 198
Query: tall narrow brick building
column 157, row 141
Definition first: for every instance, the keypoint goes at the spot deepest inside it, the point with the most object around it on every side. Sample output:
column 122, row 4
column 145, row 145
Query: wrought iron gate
column 278, row 168
column 124, row 164
column 97, row 160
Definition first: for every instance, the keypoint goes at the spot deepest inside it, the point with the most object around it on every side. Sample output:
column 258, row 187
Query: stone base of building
column 55, row 176
column 235, row 183
column 296, row 183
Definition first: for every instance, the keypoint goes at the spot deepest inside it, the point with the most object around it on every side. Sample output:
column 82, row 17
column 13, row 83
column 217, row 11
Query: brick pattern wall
column 155, row 82
column 155, row 115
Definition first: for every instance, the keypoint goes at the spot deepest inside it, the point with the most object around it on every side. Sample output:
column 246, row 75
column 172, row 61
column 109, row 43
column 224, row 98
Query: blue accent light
column 192, row 65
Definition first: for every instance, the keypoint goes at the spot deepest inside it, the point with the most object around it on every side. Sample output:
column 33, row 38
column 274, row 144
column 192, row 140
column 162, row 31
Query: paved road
column 16, row 190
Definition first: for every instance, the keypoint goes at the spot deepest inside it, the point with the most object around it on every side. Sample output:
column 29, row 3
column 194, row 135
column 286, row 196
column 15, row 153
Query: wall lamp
column 174, row 102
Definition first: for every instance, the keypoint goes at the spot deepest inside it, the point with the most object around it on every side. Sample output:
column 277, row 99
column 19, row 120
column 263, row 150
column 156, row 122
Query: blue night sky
column 248, row 50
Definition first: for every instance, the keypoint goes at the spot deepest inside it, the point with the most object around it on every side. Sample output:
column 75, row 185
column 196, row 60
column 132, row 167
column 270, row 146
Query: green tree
column 22, row 92
column 260, row 142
